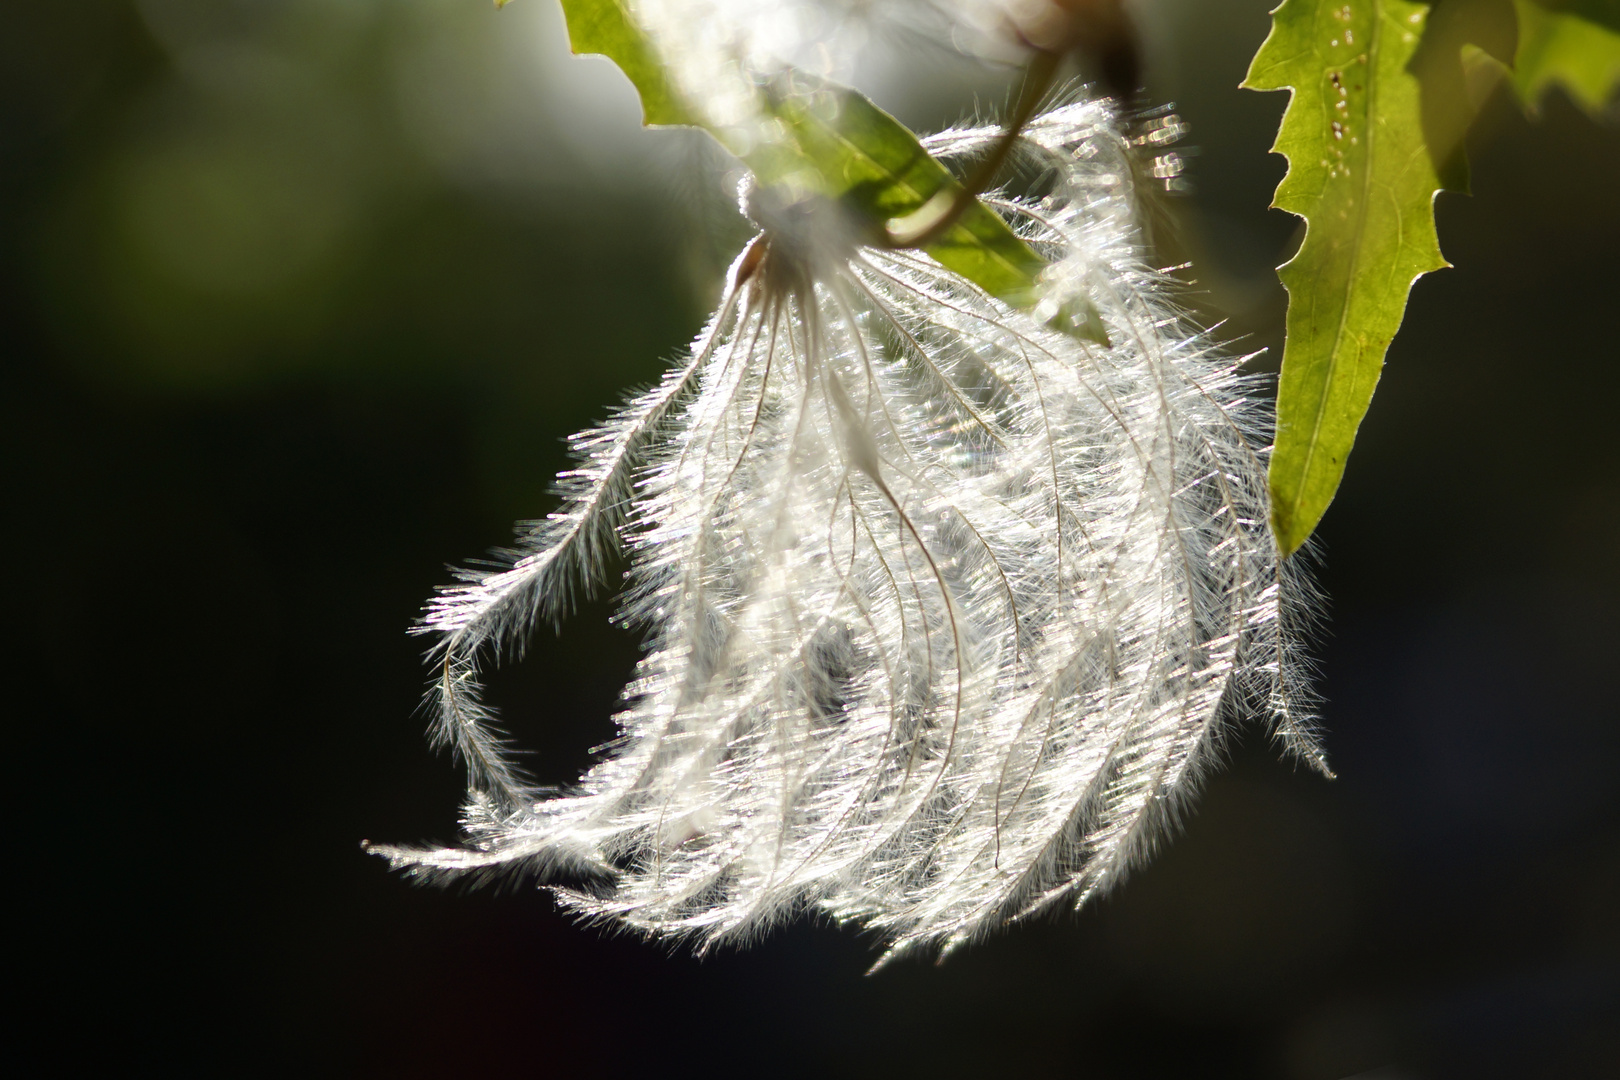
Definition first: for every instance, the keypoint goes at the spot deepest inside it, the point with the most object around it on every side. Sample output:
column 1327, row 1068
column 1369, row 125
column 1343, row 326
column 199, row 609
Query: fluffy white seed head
column 945, row 608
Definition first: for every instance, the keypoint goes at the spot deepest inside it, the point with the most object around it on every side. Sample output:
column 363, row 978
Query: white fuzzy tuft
column 945, row 607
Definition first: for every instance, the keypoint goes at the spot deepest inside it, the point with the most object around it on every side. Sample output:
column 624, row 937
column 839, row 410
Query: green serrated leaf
column 604, row 27
column 1362, row 177
column 1569, row 49
column 837, row 143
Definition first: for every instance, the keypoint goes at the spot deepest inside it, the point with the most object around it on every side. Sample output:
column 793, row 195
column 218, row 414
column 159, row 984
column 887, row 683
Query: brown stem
column 928, row 223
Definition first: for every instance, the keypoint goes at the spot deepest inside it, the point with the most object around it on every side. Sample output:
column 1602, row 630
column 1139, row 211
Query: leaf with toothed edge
column 604, row 27
column 839, row 144
column 1363, row 177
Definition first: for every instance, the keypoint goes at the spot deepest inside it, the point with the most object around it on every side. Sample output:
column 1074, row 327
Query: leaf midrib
column 1360, row 215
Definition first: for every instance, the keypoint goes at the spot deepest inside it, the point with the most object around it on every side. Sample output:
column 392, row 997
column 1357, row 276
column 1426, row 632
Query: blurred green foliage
column 332, row 190
column 1577, row 48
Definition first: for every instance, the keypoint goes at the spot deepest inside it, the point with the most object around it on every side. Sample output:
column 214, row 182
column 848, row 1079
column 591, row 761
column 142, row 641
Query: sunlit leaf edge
column 1348, row 284
column 836, row 137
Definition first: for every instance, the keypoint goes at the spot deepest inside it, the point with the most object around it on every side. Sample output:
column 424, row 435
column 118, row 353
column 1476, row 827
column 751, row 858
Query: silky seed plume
column 945, row 608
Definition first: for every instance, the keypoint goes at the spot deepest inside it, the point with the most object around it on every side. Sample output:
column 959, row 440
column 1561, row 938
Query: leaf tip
column 1286, row 531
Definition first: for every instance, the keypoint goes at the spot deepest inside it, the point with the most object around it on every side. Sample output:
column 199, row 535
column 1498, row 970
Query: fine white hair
column 946, row 607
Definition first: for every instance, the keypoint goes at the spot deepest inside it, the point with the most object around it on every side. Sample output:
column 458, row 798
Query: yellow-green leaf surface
column 1362, row 177
column 1568, row 49
column 605, row 27
column 837, row 143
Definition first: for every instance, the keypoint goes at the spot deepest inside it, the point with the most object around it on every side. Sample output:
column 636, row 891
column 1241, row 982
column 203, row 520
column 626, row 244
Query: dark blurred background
column 300, row 299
